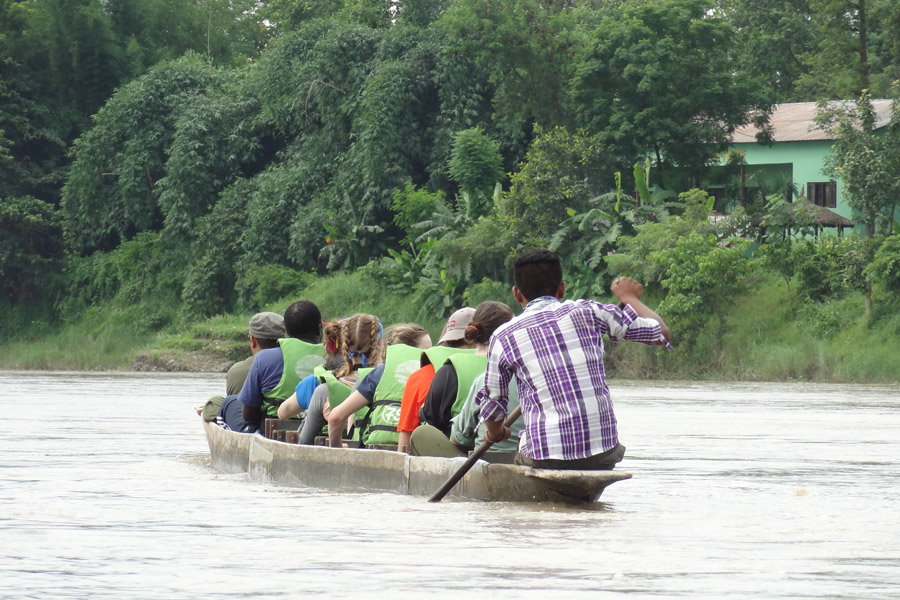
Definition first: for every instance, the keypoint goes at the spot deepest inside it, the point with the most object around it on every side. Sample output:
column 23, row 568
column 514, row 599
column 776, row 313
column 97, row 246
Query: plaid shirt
column 555, row 351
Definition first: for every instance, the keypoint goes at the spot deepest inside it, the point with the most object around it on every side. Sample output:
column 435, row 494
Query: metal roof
column 795, row 122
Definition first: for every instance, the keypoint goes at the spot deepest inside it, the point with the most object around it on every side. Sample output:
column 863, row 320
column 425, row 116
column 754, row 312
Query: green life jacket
column 467, row 367
column 400, row 362
column 338, row 391
column 438, row 355
column 300, row 359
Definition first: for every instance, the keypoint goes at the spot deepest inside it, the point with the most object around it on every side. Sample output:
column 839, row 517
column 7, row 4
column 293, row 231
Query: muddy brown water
column 739, row 491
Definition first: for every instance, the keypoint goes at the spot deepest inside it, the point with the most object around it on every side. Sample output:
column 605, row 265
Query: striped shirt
column 555, row 351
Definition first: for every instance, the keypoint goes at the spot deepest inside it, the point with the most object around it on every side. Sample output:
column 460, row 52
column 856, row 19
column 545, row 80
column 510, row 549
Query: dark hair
column 537, row 273
column 488, row 317
column 457, row 343
column 303, row 320
column 265, row 344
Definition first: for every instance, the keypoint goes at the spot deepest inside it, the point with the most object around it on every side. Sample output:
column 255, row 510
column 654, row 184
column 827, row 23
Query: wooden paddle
column 473, row 458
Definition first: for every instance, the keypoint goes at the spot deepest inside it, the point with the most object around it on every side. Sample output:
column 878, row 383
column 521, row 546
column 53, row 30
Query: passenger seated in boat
column 403, row 343
column 452, row 340
column 555, row 351
column 275, row 372
column 265, row 329
column 332, row 359
column 467, row 430
column 452, row 381
column 357, row 340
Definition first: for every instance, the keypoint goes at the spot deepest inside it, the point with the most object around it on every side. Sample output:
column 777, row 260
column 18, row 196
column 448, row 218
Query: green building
column 792, row 164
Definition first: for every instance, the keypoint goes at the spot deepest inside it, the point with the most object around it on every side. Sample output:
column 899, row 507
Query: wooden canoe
column 383, row 470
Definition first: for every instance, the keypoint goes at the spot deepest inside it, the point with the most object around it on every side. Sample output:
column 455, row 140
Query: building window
column 822, row 193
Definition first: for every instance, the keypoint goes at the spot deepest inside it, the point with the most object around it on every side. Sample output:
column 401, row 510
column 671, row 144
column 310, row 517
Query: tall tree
column 527, row 47
column 839, row 68
column 867, row 161
column 658, row 80
column 773, row 40
column 113, row 192
column 225, row 31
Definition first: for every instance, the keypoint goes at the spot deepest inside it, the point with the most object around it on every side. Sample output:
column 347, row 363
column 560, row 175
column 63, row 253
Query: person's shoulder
column 584, row 304
column 241, row 364
column 421, row 376
column 373, row 376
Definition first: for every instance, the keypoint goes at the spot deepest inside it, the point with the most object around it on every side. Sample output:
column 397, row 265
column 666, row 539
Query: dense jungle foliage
column 163, row 162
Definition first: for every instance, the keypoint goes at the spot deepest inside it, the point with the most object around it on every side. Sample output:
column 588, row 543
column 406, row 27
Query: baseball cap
column 267, row 326
column 456, row 324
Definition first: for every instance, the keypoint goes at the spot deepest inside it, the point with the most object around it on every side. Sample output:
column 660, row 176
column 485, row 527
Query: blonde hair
column 360, row 336
column 404, row 333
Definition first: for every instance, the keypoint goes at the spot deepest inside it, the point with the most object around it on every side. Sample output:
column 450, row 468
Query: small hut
column 826, row 218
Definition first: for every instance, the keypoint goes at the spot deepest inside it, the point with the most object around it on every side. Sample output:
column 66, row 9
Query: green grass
column 767, row 337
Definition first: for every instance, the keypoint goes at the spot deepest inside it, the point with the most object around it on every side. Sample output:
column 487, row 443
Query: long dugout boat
column 352, row 469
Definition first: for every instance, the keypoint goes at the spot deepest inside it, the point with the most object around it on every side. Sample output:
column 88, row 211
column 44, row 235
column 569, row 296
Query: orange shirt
column 414, row 397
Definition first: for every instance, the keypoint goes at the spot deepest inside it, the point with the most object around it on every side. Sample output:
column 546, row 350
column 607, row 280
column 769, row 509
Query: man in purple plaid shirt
column 555, row 351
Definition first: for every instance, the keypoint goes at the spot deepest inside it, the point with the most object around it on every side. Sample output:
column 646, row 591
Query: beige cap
column 267, row 326
column 456, row 324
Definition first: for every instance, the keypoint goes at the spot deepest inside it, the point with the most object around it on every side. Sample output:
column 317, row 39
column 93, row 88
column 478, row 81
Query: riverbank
column 766, row 336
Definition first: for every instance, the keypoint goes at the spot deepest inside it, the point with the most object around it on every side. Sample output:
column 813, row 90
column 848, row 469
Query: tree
column 658, row 79
column 226, row 32
column 773, row 40
column 700, row 266
column 30, row 248
column 839, row 68
column 476, row 165
column 112, row 192
column 885, row 268
column 586, row 239
column 867, row 161
column 561, row 172
column 31, row 152
column 527, row 48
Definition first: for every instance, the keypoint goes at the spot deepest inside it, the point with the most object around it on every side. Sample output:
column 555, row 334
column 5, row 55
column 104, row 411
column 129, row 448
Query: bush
column 265, row 284
column 885, row 268
column 489, row 290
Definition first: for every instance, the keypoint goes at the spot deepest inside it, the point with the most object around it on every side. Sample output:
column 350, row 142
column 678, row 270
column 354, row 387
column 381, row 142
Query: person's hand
column 326, row 410
column 504, row 434
column 627, row 289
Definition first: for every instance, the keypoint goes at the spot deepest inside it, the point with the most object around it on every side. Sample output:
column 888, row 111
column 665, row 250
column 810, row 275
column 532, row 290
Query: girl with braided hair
column 407, row 335
column 356, row 343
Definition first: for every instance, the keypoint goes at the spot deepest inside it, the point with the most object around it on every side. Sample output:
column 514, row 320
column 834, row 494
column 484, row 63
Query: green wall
column 806, row 159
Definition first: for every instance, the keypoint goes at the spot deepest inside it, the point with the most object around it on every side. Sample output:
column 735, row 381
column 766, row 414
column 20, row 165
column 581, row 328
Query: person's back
column 356, row 341
column 275, row 372
column 265, row 329
column 554, row 349
column 451, row 341
column 407, row 334
column 564, row 384
column 451, row 391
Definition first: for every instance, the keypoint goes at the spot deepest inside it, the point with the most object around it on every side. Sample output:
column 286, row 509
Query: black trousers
column 605, row 461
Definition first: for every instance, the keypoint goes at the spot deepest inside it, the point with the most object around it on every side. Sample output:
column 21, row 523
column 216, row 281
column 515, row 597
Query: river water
column 739, row 491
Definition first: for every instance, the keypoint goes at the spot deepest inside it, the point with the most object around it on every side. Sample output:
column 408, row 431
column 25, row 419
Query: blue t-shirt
column 305, row 389
column 264, row 375
column 367, row 384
